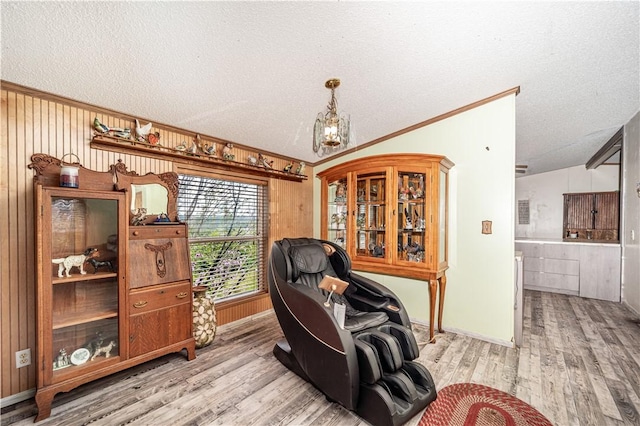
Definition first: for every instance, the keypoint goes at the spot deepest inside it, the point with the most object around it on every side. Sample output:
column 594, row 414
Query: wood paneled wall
column 38, row 122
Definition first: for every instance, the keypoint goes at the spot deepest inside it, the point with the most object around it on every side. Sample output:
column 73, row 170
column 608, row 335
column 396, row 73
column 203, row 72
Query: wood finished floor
column 579, row 365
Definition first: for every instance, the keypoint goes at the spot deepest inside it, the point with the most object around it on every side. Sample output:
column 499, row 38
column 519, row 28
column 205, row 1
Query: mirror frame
column 123, row 180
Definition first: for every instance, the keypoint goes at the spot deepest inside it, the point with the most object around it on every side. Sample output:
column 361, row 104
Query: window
column 227, row 221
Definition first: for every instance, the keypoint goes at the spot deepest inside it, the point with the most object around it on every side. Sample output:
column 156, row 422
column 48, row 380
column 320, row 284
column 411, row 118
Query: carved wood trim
column 158, row 250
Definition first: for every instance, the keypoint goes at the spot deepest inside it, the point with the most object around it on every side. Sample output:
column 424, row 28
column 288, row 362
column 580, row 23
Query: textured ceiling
column 254, row 72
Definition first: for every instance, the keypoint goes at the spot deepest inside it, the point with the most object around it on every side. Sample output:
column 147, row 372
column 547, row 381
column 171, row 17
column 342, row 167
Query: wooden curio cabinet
column 390, row 213
column 83, row 315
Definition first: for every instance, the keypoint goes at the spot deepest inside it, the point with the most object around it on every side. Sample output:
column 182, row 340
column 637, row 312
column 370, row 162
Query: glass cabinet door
column 413, row 212
column 371, row 215
column 337, row 212
column 83, row 252
column 442, row 216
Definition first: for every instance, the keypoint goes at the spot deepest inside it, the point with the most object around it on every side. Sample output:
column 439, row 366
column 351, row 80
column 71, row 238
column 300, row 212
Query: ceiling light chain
column 331, row 130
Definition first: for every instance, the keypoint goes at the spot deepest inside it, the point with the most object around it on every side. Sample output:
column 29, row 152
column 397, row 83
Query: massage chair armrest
column 370, row 296
column 324, row 316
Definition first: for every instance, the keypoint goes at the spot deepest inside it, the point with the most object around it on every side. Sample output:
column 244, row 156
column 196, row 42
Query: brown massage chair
column 367, row 364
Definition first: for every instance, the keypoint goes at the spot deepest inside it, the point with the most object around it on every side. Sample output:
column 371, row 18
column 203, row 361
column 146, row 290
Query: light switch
column 486, row 227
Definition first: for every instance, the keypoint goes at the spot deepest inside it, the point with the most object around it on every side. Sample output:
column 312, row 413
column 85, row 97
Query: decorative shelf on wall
column 128, row 146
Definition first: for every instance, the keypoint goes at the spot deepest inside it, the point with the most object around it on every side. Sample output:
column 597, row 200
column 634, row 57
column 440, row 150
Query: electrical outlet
column 23, row 358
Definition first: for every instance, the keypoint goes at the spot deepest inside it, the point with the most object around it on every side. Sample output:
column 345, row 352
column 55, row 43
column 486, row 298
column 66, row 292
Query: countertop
column 559, row 241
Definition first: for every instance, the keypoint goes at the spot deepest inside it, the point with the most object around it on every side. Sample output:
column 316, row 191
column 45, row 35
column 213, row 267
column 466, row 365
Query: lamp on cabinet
column 331, row 130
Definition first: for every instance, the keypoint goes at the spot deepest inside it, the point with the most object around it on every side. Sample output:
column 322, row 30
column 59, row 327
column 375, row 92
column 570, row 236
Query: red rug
column 469, row 404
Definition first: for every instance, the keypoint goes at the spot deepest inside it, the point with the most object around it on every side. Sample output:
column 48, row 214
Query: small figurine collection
column 144, row 134
column 77, row 261
column 94, row 348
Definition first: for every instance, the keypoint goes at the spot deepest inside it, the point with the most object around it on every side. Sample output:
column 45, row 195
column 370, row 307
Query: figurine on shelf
column 264, row 162
column 100, row 264
column 404, row 194
column 415, row 252
column 62, row 360
column 341, row 193
column 253, row 161
column 139, row 216
column 99, row 127
column 193, row 149
column 300, row 169
column 93, row 345
column 226, row 152
column 106, row 350
column 124, row 133
column 182, row 147
column 408, row 224
column 419, row 222
column 154, row 138
column 142, row 131
column 212, row 150
column 162, row 217
column 74, row 261
column 376, row 250
column 117, row 131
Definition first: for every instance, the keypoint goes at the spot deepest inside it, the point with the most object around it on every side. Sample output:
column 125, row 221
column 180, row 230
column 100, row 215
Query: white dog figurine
column 66, row 263
column 106, row 350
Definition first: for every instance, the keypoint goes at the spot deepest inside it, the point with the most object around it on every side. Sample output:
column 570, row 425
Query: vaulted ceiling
column 254, row 72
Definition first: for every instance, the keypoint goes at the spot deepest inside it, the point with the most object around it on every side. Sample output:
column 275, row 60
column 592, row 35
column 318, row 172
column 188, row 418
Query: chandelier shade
column 331, row 130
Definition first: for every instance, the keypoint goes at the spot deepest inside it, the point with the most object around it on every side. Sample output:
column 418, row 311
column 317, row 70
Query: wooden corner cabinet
column 98, row 310
column 390, row 213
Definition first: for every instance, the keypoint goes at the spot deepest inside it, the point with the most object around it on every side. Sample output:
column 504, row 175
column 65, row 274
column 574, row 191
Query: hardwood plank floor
column 579, row 365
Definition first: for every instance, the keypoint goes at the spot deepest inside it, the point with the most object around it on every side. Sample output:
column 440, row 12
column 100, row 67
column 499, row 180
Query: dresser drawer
column 551, row 282
column 156, row 231
column 159, row 297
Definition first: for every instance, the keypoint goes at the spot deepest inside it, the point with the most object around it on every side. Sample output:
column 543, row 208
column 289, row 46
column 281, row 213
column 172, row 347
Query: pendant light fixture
column 331, row 131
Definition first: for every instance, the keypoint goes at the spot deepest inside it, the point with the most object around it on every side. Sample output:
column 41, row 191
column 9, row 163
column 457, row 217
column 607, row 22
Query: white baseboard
column 18, row 397
column 469, row 334
column 624, row 302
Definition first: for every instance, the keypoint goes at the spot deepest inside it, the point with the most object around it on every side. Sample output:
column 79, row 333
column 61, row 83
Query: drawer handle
column 136, row 233
column 182, row 295
column 140, row 304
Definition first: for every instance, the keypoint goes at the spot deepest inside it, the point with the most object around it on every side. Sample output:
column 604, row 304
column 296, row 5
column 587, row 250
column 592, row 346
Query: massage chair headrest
column 308, row 259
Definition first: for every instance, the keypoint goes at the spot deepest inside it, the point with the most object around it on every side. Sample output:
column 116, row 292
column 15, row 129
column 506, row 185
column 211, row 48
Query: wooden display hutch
column 390, row 213
column 99, row 310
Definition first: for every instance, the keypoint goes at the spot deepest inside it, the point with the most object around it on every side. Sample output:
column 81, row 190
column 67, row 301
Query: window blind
column 228, row 234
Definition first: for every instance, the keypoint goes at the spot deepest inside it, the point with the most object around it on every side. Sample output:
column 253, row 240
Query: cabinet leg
column 43, row 401
column 443, row 287
column 191, row 351
column 432, row 308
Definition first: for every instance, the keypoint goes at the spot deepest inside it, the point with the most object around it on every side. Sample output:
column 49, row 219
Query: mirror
column 152, row 196
column 157, row 193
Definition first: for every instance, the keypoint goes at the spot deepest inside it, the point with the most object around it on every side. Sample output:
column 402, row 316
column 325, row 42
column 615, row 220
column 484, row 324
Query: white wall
column 480, row 279
column 631, row 215
column 544, row 192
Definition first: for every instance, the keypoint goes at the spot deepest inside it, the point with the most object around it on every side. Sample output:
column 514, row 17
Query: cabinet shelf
column 73, row 371
column 80, row 278
column 83, row 318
